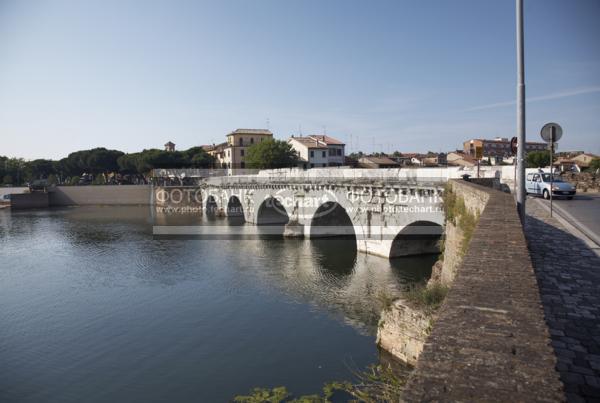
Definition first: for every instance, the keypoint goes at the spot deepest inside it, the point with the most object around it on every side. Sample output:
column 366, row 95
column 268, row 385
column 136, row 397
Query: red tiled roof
column 309, row 142
column 379, row 160
column 327, row 140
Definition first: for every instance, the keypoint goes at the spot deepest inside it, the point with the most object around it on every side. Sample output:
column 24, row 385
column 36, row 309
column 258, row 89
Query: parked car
column 542, row 184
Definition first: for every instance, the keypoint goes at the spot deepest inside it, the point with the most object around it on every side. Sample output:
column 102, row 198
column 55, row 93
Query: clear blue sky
column 409, row 75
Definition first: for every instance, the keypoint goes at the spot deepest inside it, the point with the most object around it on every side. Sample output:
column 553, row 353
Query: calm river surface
column 92, row 308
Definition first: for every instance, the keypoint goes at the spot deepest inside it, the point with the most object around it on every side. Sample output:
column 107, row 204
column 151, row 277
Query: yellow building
column 231, row 154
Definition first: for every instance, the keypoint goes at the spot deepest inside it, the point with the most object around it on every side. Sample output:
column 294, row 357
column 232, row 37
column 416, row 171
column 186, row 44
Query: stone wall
column 475, row 199
column 21, row 201
column 584, row 181
column 403, row 330
column 489, row 341
column 100, row 195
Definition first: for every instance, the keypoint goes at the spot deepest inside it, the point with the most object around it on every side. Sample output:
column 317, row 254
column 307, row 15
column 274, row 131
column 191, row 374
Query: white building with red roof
column 318, row 151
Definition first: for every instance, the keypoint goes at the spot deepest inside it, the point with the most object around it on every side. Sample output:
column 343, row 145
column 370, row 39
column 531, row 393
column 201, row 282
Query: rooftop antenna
column 324, row 130
column 300, row 128
column 268, row 124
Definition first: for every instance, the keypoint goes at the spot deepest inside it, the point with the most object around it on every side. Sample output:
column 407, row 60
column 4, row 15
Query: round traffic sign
column 514, row 143
column 551, row 132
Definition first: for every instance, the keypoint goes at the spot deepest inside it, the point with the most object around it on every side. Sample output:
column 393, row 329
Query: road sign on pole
column 551, row 133
column 514, row 143
column 520, row 185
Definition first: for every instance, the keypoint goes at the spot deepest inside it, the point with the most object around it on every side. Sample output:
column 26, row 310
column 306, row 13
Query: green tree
column 271, row 154
column 38, row 169
column 7, row 180
column 538, row 159
column 595, row 164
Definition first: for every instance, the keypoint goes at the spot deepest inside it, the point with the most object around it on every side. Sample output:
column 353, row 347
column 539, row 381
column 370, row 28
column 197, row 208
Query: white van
column 539, row 184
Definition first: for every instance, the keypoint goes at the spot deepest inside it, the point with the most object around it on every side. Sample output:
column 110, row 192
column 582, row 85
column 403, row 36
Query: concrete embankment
column 79, row 196
column 100, row 195
column 24, row 201
column 488, row 341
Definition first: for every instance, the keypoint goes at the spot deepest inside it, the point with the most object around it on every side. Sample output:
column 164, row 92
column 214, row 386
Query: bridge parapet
column 490, row 341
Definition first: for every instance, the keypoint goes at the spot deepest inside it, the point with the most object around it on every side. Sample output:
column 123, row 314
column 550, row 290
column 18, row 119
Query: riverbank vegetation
column 378, row 383
column 426, row 297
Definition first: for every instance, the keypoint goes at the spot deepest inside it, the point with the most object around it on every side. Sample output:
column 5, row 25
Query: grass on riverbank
column 428, row 298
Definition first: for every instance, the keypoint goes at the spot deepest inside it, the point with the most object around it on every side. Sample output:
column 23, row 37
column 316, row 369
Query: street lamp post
column 520, row 185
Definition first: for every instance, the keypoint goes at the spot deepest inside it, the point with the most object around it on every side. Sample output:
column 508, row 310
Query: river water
column 93, row 308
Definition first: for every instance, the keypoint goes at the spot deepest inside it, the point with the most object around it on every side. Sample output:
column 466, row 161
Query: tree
column 538, row 159
column 39, row 169
column 595, row 165
column 271, row 154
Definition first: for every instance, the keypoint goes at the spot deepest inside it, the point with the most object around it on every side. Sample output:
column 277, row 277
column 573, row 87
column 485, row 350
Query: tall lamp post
column 520, row 185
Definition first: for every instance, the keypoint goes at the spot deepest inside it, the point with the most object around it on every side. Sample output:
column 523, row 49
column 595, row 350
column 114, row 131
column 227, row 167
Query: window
column 242, row 164
column 241, row 141
column 312, row 165
column 324, row 154
column 312, row 155
column 339, row 152
column 304, row 166
column 242, row 152
column 251, row 140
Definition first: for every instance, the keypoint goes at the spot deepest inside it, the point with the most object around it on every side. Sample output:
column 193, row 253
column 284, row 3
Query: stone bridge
column 394, row 213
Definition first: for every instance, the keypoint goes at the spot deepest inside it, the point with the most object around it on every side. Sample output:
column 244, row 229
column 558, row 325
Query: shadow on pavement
column 568, row 274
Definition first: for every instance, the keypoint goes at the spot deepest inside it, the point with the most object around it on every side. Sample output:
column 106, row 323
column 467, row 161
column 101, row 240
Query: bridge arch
column 331, row 220
column 417, row 238
column 211, row 207
column 234, row 207
column 272, row 212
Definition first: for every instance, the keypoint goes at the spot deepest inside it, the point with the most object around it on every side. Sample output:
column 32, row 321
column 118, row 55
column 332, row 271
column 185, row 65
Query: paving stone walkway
column 568, row 273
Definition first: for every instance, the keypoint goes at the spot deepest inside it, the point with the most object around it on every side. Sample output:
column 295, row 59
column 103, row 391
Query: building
column 584, row 160
column 497, row 149
column 170, row 146
column 456, row 158
column 434, row 160
column 377, row 162
column 318, row 151
column 413, row 158
column 231, row 154
column 402, row 159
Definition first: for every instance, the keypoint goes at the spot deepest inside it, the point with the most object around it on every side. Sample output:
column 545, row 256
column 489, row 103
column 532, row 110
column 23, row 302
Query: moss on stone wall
column 459, row 215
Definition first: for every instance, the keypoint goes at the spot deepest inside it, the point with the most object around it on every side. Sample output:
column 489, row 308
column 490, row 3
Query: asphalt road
column 583, row 212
